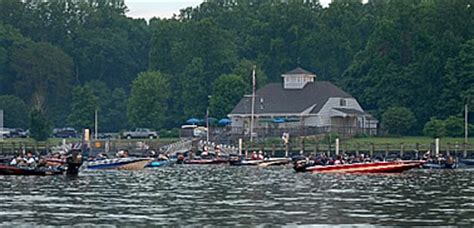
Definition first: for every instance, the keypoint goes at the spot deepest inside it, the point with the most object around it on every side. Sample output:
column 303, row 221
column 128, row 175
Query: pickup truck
column 140, row 133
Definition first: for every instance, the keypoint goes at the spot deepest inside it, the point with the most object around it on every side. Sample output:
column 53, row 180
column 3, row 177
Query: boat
column 430, row 165
column 160, row 163
column 369, row 167
column 128, row 163
column 467, row 161
column 261, row 163
column 30, row 171
column 206, row 161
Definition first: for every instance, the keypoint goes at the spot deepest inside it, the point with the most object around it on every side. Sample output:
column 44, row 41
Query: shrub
column 398, row 120
column 435, row 128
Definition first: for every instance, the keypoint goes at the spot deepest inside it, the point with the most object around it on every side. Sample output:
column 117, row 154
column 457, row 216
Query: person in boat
column 205, row 155
column 17, row 161
column 123, row 154
column 101, row 156
column 450, row 163
column 162, row 157
column 254, row 155
column 30, row 160
column 266, row 155
column 260, row 155
column 339, row 160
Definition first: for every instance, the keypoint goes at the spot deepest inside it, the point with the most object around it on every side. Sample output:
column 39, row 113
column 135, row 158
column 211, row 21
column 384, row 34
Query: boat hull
column 118, row 164
column 206, row 161
column 374, row 167
column 25, row 171
column 261, row 163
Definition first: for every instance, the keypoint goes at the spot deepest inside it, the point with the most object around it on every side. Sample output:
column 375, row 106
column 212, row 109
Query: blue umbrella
column 224, row 121
column 192, row 121
column 278, row 120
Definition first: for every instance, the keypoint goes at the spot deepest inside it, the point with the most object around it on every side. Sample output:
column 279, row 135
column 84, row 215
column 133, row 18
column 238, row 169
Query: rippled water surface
column 227, row 196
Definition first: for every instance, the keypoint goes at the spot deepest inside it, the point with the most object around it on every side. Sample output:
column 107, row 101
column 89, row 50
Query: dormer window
column 297, row 78
column 342, row 102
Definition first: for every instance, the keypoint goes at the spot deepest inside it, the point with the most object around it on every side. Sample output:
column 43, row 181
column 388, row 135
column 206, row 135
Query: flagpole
column 466, row 114
column 253, row 103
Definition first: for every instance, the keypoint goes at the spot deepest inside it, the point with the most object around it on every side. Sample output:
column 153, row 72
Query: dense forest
column 65, row 59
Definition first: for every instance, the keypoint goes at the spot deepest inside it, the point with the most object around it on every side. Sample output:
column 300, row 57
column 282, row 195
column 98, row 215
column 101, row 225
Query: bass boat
column 30, row 171
column 118, row 163
column 370, row 167
column 261, row 163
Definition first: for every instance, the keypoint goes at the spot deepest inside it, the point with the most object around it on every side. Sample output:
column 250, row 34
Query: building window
column 342, row 102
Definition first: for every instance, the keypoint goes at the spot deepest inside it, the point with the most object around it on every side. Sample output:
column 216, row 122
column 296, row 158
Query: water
column 229, row 196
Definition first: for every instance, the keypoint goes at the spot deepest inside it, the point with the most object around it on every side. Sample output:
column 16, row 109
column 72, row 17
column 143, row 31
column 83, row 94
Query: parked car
column 140, row 133
column 64, row 133
column 5, row 133
column 19, row 133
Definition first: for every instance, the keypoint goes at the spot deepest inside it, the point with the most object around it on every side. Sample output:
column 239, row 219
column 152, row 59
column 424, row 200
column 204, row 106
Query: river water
column 228, row 196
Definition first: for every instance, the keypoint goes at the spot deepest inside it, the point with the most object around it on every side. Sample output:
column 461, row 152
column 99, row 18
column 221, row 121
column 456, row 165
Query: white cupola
column 297, row 78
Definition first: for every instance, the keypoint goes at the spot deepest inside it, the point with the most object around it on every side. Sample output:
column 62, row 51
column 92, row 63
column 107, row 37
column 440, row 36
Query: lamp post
column 466, row 114
column 1, row 124
column 207, row 118
column 254, row 82
column 96, row 123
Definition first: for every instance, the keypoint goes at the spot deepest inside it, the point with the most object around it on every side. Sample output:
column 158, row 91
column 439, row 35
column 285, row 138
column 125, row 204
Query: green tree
column 84, row 105
column 44, row 76
column 398, row 120
column 228, row 90
column 116, row 115
column 435, row 128
column 40, row 127
column 15, row 111
column 459, row 79
column 244, row 70
column 147, row 105
column 454, row 126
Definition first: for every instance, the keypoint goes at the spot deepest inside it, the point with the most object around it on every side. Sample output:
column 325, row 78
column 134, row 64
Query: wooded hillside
column 59, row 56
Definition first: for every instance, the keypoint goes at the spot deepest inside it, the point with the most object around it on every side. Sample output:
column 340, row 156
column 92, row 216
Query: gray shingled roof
column 278, row 100
column 298, row 70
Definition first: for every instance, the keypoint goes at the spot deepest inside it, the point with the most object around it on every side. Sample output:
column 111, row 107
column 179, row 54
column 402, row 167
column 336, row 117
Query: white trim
column 273, row 114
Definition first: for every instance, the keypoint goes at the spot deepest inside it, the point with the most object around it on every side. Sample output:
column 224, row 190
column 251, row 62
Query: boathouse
column 301, row 105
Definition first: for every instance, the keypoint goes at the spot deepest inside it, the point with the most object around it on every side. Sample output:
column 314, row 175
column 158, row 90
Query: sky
column 165, row 8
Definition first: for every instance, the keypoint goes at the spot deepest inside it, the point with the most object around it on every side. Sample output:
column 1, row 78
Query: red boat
column 27, row 171
column 371, row 167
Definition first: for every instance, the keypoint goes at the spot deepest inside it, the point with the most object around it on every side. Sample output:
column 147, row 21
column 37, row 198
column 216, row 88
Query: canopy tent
column 224, row 122
column 192, row 121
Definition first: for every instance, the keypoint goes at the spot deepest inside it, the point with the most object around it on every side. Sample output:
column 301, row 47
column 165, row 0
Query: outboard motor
column 74, row 162
column 300, row 164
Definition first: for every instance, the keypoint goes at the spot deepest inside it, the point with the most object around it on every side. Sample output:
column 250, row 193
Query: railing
column 383, row 150
column 306, row 131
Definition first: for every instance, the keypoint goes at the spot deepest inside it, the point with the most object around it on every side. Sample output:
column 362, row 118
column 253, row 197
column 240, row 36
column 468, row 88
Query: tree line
column 65, row 59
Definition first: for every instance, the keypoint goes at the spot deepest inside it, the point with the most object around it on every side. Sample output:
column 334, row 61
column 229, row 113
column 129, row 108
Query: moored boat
column 467, row 161
column 261, row 163
column 370, row 167
column 128, row 163
column 29, row 171
column 206, row 161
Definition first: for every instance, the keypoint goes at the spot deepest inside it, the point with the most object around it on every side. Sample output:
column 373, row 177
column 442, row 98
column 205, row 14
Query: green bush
column 39, row 125
column 398, row 120
column 454, row 126
column 435, row 128
column 173, row 133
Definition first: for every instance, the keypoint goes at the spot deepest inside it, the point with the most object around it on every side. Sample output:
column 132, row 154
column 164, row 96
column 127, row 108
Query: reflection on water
column 227, row 196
